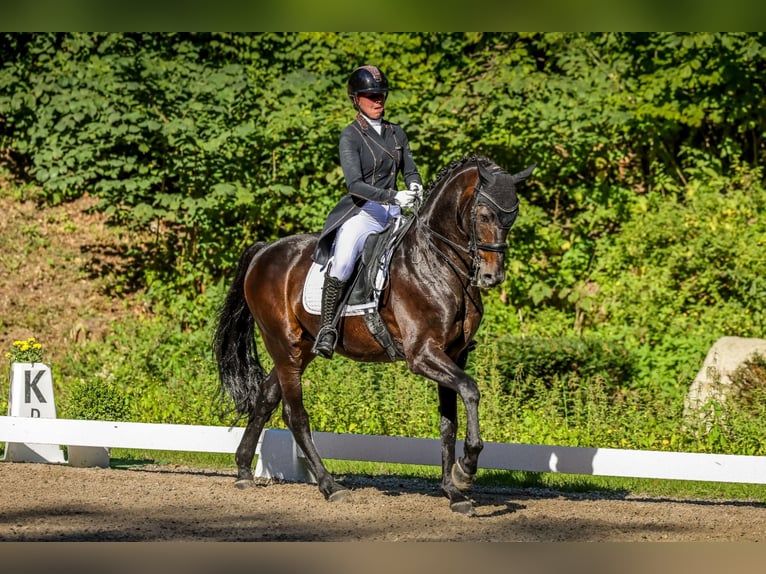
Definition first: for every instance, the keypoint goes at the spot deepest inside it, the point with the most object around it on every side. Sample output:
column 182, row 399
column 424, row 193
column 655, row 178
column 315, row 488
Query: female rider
column 373, row 152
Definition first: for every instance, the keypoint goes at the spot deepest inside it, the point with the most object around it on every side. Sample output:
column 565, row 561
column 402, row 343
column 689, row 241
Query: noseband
column 480, row 197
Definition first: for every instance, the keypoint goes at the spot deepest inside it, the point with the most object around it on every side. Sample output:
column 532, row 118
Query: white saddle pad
column 312, row 288
column 312, row 295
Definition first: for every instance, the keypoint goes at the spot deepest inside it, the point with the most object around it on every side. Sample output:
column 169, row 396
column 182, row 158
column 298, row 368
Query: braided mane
column 446, row 171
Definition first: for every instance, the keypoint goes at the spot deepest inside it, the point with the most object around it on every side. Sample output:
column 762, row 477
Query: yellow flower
column 29, row 351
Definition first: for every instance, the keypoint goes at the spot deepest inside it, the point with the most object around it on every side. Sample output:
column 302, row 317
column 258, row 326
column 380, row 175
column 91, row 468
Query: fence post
column 281, row 458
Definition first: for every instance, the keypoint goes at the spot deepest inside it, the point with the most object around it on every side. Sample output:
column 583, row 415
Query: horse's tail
column 239, row 370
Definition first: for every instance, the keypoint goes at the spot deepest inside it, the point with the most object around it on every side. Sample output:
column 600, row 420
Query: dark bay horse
column 431, row 306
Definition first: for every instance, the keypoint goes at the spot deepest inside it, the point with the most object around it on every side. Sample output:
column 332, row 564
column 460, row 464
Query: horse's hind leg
column 268, row 397
column 296, row 418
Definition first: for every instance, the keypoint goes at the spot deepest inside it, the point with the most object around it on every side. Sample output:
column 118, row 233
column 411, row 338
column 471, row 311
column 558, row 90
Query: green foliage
column 548, row 359
column 165, row 374
column 208, row 141
column 640, row 238
column 347, row 397
column 152, row 372
column 686, row 257
column 749, row 385
column 589, row 412
column 168, row 132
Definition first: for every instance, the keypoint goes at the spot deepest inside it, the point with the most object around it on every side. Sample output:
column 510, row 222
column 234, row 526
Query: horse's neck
column 440, row 236
column 443, row 213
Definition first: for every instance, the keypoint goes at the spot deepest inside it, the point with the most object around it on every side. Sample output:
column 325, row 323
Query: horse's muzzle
column 489, row 280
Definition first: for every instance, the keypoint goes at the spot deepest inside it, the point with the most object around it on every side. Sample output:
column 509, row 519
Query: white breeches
column 351, row 236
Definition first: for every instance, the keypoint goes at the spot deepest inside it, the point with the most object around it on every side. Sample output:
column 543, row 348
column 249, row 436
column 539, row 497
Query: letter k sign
column 31, row 391
column 30, row 386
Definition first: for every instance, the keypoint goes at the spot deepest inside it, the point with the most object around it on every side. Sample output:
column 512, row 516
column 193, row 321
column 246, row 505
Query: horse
column 431, row 306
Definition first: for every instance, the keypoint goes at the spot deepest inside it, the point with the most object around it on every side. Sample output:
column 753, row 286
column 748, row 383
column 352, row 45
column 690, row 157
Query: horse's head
column 493, row 212
column 482, row 197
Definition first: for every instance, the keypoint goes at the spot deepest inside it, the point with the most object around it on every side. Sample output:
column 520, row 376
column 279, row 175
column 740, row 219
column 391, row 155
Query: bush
column 749, row 381
column 96, row 400
column 549, row 359
column 737, row 425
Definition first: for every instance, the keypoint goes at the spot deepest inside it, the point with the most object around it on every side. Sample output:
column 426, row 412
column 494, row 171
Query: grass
column 582, row 415
column 568, row 483
column 565, row 484
column 123, row 458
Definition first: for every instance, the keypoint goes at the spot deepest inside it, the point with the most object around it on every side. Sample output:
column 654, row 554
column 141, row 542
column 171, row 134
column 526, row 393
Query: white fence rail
column 280, row 458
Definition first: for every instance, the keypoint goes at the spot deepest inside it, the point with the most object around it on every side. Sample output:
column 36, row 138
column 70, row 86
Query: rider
column 373, row 152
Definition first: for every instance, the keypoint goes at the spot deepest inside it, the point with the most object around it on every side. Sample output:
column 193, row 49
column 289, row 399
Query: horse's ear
column 485, row 174
column 522, row 175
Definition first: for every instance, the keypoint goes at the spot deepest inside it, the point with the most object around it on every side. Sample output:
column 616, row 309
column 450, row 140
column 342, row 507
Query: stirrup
column 324, row 346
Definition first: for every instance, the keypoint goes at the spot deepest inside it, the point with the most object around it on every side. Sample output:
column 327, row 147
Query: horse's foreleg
column 465, row 468
column 463, row 475
column 436, row 365
column 268, row 397
column 448, row 430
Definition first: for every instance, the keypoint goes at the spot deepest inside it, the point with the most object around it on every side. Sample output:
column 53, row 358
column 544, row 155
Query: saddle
column 366, row 284
column 371, row 271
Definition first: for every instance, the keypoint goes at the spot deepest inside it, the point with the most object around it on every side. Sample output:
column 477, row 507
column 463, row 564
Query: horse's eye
column 484, row 218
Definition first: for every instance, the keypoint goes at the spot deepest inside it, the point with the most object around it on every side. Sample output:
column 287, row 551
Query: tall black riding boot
column 331, row 292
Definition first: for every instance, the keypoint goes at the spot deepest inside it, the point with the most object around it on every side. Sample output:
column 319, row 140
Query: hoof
column 460, row 478
column 463, row 507
column 244, row 483
column 343, row 495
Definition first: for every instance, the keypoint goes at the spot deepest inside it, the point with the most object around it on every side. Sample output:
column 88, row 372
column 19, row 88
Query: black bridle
column 480, row 197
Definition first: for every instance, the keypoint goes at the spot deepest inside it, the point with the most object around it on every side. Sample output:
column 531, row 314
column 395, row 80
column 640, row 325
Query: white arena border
column 280, row 458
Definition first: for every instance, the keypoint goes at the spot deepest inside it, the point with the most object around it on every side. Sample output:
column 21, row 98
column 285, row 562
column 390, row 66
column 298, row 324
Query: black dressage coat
column 371, row 164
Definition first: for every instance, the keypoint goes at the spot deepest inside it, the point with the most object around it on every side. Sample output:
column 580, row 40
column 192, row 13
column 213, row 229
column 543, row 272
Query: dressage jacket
column 371, row 164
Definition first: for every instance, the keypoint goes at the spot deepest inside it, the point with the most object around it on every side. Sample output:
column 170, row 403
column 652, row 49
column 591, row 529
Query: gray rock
column 713, row 381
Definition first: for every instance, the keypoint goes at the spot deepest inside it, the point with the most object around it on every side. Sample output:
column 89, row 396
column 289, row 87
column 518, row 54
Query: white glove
column 417, row 188
column 405, row 198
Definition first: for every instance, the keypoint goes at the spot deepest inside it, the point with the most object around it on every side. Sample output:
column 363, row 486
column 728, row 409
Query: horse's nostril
column 492, row 279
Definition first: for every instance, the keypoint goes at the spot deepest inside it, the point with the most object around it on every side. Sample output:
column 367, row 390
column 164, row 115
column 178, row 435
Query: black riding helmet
column 367, row 80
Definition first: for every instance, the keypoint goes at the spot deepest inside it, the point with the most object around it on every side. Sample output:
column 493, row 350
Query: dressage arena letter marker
column 32, row 396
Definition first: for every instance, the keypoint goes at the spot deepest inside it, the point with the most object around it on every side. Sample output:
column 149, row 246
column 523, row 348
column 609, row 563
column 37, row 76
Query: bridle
column 480, row 197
